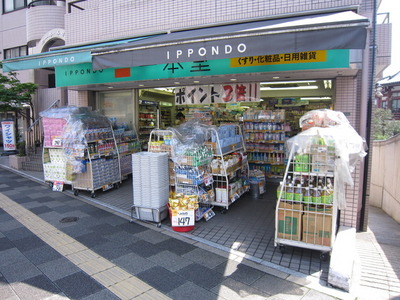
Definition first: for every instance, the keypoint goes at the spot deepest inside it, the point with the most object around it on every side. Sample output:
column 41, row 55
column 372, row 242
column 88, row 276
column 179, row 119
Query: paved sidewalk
column 53, row 246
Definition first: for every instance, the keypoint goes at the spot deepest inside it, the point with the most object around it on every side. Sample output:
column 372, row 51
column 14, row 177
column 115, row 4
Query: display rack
column 127, row 144
column 265, row 135
column 306, row 209
column 193, row 174
column 55, row 166
column 99, row 156
column 161, row 140
column 229, row 166
column 149, row 119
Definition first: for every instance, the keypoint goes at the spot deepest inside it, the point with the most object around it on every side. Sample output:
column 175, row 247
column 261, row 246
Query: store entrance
column 248, row 225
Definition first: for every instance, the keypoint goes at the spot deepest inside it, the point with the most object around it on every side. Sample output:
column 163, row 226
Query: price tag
column 58, row 186
column 209, row 214
column 208, row 180
column 182, row 218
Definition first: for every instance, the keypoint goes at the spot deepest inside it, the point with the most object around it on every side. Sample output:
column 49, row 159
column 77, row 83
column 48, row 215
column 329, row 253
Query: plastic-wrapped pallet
column 150, row 185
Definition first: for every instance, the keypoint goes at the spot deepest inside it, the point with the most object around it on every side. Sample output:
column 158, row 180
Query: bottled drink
column 298, row 193
column 316, row 195
column 280, row 191
column 325, row 196
column 290, row 192
column 307, row 198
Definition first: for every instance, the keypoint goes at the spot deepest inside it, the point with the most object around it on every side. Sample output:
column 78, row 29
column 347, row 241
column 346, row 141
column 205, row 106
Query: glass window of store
column 118, row 106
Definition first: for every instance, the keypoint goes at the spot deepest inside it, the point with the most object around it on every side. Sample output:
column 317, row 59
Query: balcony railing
column 35, row 3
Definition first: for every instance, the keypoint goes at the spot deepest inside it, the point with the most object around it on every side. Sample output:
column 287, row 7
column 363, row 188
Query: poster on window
column 218, row 93
column 8, row 130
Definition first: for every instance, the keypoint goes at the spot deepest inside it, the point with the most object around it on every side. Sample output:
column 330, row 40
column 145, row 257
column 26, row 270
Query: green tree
column 384, row 125
column 16, row 96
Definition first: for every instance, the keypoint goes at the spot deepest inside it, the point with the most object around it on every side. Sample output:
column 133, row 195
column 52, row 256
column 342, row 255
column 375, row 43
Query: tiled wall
column 78, row 98
column 347, row 93
column 112, row 19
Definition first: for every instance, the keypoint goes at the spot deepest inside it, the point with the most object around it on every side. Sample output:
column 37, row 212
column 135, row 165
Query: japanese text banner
column 220, row 93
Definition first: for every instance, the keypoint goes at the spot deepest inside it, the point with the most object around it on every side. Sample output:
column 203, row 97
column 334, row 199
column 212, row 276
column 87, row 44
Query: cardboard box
column 289, row 221
column 317, row 226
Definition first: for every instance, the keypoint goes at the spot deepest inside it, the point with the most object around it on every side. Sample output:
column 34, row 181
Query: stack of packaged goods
column 150, row 185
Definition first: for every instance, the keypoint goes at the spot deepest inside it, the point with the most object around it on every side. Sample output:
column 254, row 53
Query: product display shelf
column 101, row 159
column 229, row 166
column 149, row 117
column 127, row 143
column 161, row 140
column 306, row 209
column 193, row 176
column 265, row 136
column 55, row 165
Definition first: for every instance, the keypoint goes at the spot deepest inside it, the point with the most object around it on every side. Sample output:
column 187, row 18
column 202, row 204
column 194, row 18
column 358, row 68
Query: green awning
column 61, row 57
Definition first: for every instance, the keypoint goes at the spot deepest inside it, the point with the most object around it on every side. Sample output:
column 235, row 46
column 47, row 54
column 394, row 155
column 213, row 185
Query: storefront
column 297, row 64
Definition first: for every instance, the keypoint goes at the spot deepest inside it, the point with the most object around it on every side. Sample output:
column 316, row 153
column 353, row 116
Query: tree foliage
column 15, row 95
column 384, row 125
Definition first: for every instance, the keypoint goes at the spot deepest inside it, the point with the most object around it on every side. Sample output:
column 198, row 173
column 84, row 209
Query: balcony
column 42, row 16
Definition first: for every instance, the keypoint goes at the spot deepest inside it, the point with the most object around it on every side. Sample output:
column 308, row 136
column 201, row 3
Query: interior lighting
column 305, row 87
column 287, row 82
column 316, row 98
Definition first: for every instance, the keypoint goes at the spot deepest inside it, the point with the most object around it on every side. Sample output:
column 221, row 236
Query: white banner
column 8, row 130
column 218, row 93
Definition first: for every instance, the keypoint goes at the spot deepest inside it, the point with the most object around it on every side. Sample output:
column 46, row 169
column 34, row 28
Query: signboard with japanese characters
column 79, row 74
column 218, row 93
column 8, row 135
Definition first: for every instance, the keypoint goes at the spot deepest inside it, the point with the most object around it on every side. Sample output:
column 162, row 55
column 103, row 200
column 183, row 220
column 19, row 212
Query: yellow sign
column 279, row 59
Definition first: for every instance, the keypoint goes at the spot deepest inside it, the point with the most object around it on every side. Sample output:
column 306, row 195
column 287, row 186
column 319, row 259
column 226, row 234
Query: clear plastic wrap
column 188, row 143
column 344, row 147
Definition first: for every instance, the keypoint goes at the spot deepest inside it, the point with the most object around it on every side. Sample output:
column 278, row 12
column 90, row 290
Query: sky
column 393, row 6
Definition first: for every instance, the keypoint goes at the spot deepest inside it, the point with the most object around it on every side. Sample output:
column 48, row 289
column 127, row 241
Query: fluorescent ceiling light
column 287, row 82
column 316, row 98
column 305, row 87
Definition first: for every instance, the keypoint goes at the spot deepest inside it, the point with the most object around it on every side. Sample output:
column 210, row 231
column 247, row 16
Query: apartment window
column 395, row 106
column 384, row 104
column 15, row 52
column 11, row 5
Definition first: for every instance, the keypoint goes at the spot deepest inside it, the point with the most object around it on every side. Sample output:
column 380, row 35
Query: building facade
column 88, row 53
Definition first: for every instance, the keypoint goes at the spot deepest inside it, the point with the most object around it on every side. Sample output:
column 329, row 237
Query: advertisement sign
column 218, row 93
column 8, row 129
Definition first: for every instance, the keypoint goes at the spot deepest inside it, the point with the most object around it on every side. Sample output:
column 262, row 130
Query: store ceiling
column 218, row 79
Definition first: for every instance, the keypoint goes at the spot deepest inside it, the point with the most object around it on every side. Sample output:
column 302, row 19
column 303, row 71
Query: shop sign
column 278, row 59
column 81, row 74
column 48, row 61
column 218, row 93
column 8, row 135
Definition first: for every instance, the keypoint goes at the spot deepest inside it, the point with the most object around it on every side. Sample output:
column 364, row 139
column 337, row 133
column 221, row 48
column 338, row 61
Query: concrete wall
column 385, row 184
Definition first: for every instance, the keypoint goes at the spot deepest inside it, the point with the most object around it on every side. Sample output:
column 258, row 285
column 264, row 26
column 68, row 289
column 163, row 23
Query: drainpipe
column 367, row 120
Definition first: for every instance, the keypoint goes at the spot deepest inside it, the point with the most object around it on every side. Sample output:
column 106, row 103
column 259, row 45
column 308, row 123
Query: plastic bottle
column 325, row 196
column 290, row 192
column 298, row 193
column 307, row 198
column 316, row 195
column 280, row 191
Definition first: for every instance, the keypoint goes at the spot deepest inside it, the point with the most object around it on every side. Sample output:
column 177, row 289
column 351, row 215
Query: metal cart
column 306, row 209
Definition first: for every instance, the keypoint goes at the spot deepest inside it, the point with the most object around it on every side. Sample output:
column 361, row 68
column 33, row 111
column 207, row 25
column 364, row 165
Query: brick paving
column 131, row 253
column 101, row 255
